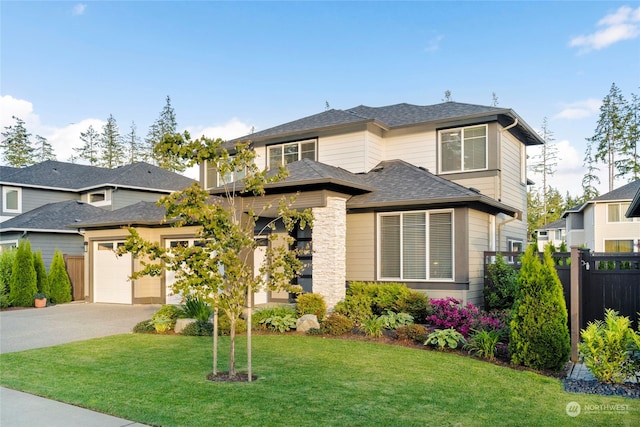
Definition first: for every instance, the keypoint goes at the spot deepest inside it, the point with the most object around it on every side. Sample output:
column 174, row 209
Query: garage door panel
column 111, row 274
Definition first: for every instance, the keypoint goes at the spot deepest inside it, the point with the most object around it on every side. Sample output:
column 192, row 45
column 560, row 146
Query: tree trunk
column 215, row 341
column 232, row 346
column 249, row 312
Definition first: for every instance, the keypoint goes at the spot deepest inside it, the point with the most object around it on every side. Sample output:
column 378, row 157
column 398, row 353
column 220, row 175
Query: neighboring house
column 403, row 193
column 554, row 233
column 39, row 201
column 601, row 224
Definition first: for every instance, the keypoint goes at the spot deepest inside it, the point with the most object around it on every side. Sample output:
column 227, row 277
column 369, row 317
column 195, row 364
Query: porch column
column 329, row 253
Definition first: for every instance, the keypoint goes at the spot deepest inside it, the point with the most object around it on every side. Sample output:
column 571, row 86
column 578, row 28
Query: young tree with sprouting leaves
column 219, row 269
column 112, row 149
column 17, row 148
column 90, row 150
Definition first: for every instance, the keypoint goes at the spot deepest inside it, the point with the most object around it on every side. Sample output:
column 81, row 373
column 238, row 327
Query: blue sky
column 229, row 66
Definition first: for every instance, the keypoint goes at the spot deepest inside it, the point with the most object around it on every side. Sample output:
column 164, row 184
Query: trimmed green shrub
column 610, row 348
column 224, row 325
column 443, row 338
column 24, row 280
column 59, row 283
column 415, row 303
column 539, row 333
column 7, row 257
column 165, row 317
column 384, row 296
column 356, row 307
column 336, row 324
column 417, row 333
column 195, row 308
column 144, row 327
column 199, row 329
column 311, row 304
column 501, row 292
column 41, row 274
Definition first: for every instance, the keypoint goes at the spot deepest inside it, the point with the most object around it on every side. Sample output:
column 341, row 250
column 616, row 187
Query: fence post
column 575, row 302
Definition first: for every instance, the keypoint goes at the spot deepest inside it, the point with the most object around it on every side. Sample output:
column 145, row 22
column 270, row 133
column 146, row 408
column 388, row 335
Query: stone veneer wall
column 329, row 252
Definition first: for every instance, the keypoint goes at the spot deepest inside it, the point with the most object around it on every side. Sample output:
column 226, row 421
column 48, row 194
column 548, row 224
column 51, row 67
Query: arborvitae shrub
column 7, row 257
column 539, row 333
column 500, row 294
column 311, row 304
column 24, row 282
column 59, row 283
column 41, row 274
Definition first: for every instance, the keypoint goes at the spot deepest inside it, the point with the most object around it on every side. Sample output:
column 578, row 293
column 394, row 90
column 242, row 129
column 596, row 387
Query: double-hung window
column 416, row 245
column 463, row 149
column 11, row 199
column 213, row 178
column 283, row 154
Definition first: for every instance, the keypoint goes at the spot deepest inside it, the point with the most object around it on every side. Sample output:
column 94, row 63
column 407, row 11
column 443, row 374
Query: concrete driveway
column 60, row 324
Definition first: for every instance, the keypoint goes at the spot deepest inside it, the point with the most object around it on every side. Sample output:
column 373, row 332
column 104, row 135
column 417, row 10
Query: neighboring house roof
column 6, row 171
column 52, row 217
column 52, row 174
column 141, row 213
column 561, row 223
column 398, row 116
column 634, row 208
column 625, row 193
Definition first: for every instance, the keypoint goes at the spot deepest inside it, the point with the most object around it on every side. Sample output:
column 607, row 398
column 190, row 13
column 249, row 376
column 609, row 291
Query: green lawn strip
column 303, row 381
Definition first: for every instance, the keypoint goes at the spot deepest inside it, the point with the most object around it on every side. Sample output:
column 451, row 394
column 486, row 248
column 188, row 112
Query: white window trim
column 428, row 240
column 4, row 243
column 462, row 169
column 281, row 145
column 105, row 202
column 5, row 190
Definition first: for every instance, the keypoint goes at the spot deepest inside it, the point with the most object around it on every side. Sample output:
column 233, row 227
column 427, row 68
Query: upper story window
column 416, row 245
column 214, row 179
column 463, row 149
column 100, row 198
column 283, row 154
column 616, row 211
column 12, row 199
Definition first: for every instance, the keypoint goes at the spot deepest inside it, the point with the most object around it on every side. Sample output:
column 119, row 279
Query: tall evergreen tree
column 24, row 280
column 610, row 131
column 133, row 145
column 18, row 150
column 43, row 149
column 59, row 282
column 628, row 163
column 41, row 273
column 590, row 178
column 90, row 151
column 546, row 162
column 111, row 144
column 165, row 125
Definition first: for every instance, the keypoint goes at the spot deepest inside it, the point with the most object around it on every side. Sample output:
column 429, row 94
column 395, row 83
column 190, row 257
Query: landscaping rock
column 181, row 324
column 306, row 322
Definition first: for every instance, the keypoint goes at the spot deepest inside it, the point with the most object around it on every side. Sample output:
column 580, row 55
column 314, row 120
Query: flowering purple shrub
column 449, row 313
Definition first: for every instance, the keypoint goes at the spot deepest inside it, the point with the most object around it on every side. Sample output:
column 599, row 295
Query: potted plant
column 40, row 300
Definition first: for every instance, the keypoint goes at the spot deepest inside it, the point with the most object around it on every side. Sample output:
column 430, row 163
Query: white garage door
column 111, row 274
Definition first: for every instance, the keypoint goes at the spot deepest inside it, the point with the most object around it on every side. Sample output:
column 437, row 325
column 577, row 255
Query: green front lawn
column 303, row 381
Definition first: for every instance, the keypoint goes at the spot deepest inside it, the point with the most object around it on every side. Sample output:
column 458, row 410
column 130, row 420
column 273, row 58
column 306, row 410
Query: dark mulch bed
column 631, row 390
column 223, row 377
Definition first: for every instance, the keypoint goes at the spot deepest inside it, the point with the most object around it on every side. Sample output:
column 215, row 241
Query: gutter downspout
column 502, row 224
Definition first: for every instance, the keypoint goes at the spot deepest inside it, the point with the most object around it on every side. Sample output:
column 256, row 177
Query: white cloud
column 10, row 107
column 434, row 44
column 623, row 24
column 79, row 9
column 234, row 128
column 579, row 109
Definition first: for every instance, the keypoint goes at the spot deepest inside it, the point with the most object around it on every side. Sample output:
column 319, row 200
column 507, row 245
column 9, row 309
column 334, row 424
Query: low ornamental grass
column 302, row 381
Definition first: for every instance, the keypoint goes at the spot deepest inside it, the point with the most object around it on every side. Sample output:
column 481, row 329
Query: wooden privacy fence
column 605, row 280
column 75, row 270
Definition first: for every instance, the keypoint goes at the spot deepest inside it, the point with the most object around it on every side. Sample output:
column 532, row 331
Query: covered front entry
column 111, row 273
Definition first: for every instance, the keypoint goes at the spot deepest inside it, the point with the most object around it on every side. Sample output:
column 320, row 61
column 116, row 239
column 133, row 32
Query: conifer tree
column 24, row 281
column 111, row 145
column 133, row 146
column 43, row 150
column 539, row 332
column 91, row 148
column 165, row 125
column 17, row 148
column 628, row 164
column 59, row 282
column 41, row 273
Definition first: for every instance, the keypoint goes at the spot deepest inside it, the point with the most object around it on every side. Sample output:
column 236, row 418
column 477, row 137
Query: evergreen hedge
column 539, row 332
column 41, row 274
column 59, row 282
column 24, row 281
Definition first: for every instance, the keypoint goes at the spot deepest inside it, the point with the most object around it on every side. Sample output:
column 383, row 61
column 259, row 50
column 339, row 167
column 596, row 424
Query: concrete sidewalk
column 35, row 328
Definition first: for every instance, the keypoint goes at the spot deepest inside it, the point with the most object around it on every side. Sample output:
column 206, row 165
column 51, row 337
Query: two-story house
column 601, row 224
column 554, row 233
column 402, row 193
column 40, row 201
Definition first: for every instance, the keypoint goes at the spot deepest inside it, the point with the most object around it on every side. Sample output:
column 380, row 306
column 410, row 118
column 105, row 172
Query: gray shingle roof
column 75, row 177
column 52, row 216
column 394, row 116
column 141, row 213
column 561, row 223
column 626, row 192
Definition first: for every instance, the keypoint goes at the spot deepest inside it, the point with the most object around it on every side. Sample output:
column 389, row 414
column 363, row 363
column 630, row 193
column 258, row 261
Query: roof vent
column 475, row 190
column 423, row 168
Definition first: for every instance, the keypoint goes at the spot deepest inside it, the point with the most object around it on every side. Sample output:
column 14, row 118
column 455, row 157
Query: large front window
column 463, row 149
column 283, row 154
column 618, row 245
column 416, row 245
